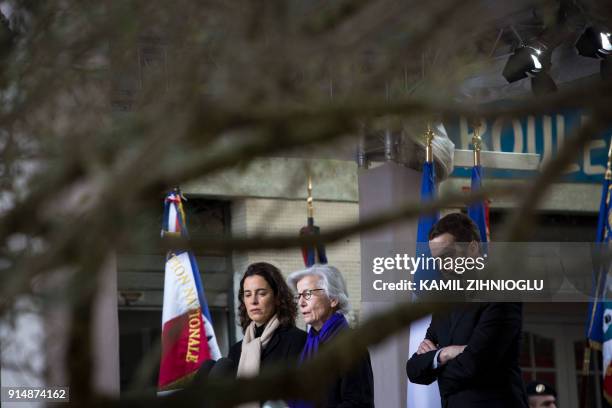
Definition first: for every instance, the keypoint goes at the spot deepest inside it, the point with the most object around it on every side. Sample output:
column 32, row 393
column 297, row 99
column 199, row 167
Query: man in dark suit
column 473, row 350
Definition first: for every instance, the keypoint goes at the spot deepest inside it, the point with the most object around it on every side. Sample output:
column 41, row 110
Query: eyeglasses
column 307, row 294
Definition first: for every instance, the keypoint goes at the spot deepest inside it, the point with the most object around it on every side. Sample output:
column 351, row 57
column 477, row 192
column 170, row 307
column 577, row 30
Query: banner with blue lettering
column 534, row 134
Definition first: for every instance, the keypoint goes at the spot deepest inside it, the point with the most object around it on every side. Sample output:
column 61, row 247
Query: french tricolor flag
column 188, row 338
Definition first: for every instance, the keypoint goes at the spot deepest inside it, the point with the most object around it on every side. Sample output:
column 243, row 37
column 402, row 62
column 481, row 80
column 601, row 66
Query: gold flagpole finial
column 309, row 206
column 429, row 135
column 609, row 166
column 476, row 143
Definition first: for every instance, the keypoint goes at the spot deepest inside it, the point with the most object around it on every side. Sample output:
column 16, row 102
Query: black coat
column 487, row 373
column 286, row 344
column 354, row 389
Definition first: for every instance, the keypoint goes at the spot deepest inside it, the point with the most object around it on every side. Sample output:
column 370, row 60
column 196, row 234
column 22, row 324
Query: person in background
column 472, row 350
column 267, row 314
column 323, row 302
column 541, row 395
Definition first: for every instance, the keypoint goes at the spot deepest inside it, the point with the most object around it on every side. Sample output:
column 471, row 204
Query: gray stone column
column 105, row 336
column 106, row 331
column 380, row 189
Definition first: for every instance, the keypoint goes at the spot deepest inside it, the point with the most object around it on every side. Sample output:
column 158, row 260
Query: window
column 553, row 350
column 538, row 359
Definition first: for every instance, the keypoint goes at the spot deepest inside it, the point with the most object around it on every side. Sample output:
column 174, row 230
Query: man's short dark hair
column 458, row 225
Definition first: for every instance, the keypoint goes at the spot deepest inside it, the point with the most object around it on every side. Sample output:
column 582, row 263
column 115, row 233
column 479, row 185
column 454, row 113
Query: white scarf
column 250, row 358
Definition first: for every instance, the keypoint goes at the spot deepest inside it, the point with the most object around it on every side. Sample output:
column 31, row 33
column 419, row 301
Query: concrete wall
column 562, row 197
column 284, row 178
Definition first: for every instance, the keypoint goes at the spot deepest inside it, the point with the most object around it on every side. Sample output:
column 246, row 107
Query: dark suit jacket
column 487, row 373
column 285, row 345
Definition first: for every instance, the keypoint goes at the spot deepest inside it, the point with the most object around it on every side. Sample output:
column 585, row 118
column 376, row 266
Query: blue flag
column 476, row 211
column 594, row 326
column 423, row 395
column 426, row 222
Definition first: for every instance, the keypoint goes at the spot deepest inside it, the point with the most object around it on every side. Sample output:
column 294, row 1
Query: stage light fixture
column 531, row 61
column 525, row 60
column 597, row 43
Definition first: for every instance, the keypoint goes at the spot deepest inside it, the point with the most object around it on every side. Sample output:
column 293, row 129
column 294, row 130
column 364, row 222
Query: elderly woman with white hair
column 323, row 303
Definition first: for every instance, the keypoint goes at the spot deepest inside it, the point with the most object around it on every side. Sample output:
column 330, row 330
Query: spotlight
column 531, row 61
column 594, row 43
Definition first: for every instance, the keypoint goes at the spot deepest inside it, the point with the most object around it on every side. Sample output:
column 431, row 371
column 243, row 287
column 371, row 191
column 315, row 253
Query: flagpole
column 309, row 204
column 476, row 143
column 429, row 135
column 315, row 252
column 479, row 212
column 608, row 175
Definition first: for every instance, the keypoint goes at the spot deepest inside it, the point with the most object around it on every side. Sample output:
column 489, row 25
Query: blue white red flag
column 188, row 338
column 599, row 318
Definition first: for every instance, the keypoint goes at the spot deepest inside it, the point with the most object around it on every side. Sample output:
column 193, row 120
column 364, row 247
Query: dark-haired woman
column 267, row 315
